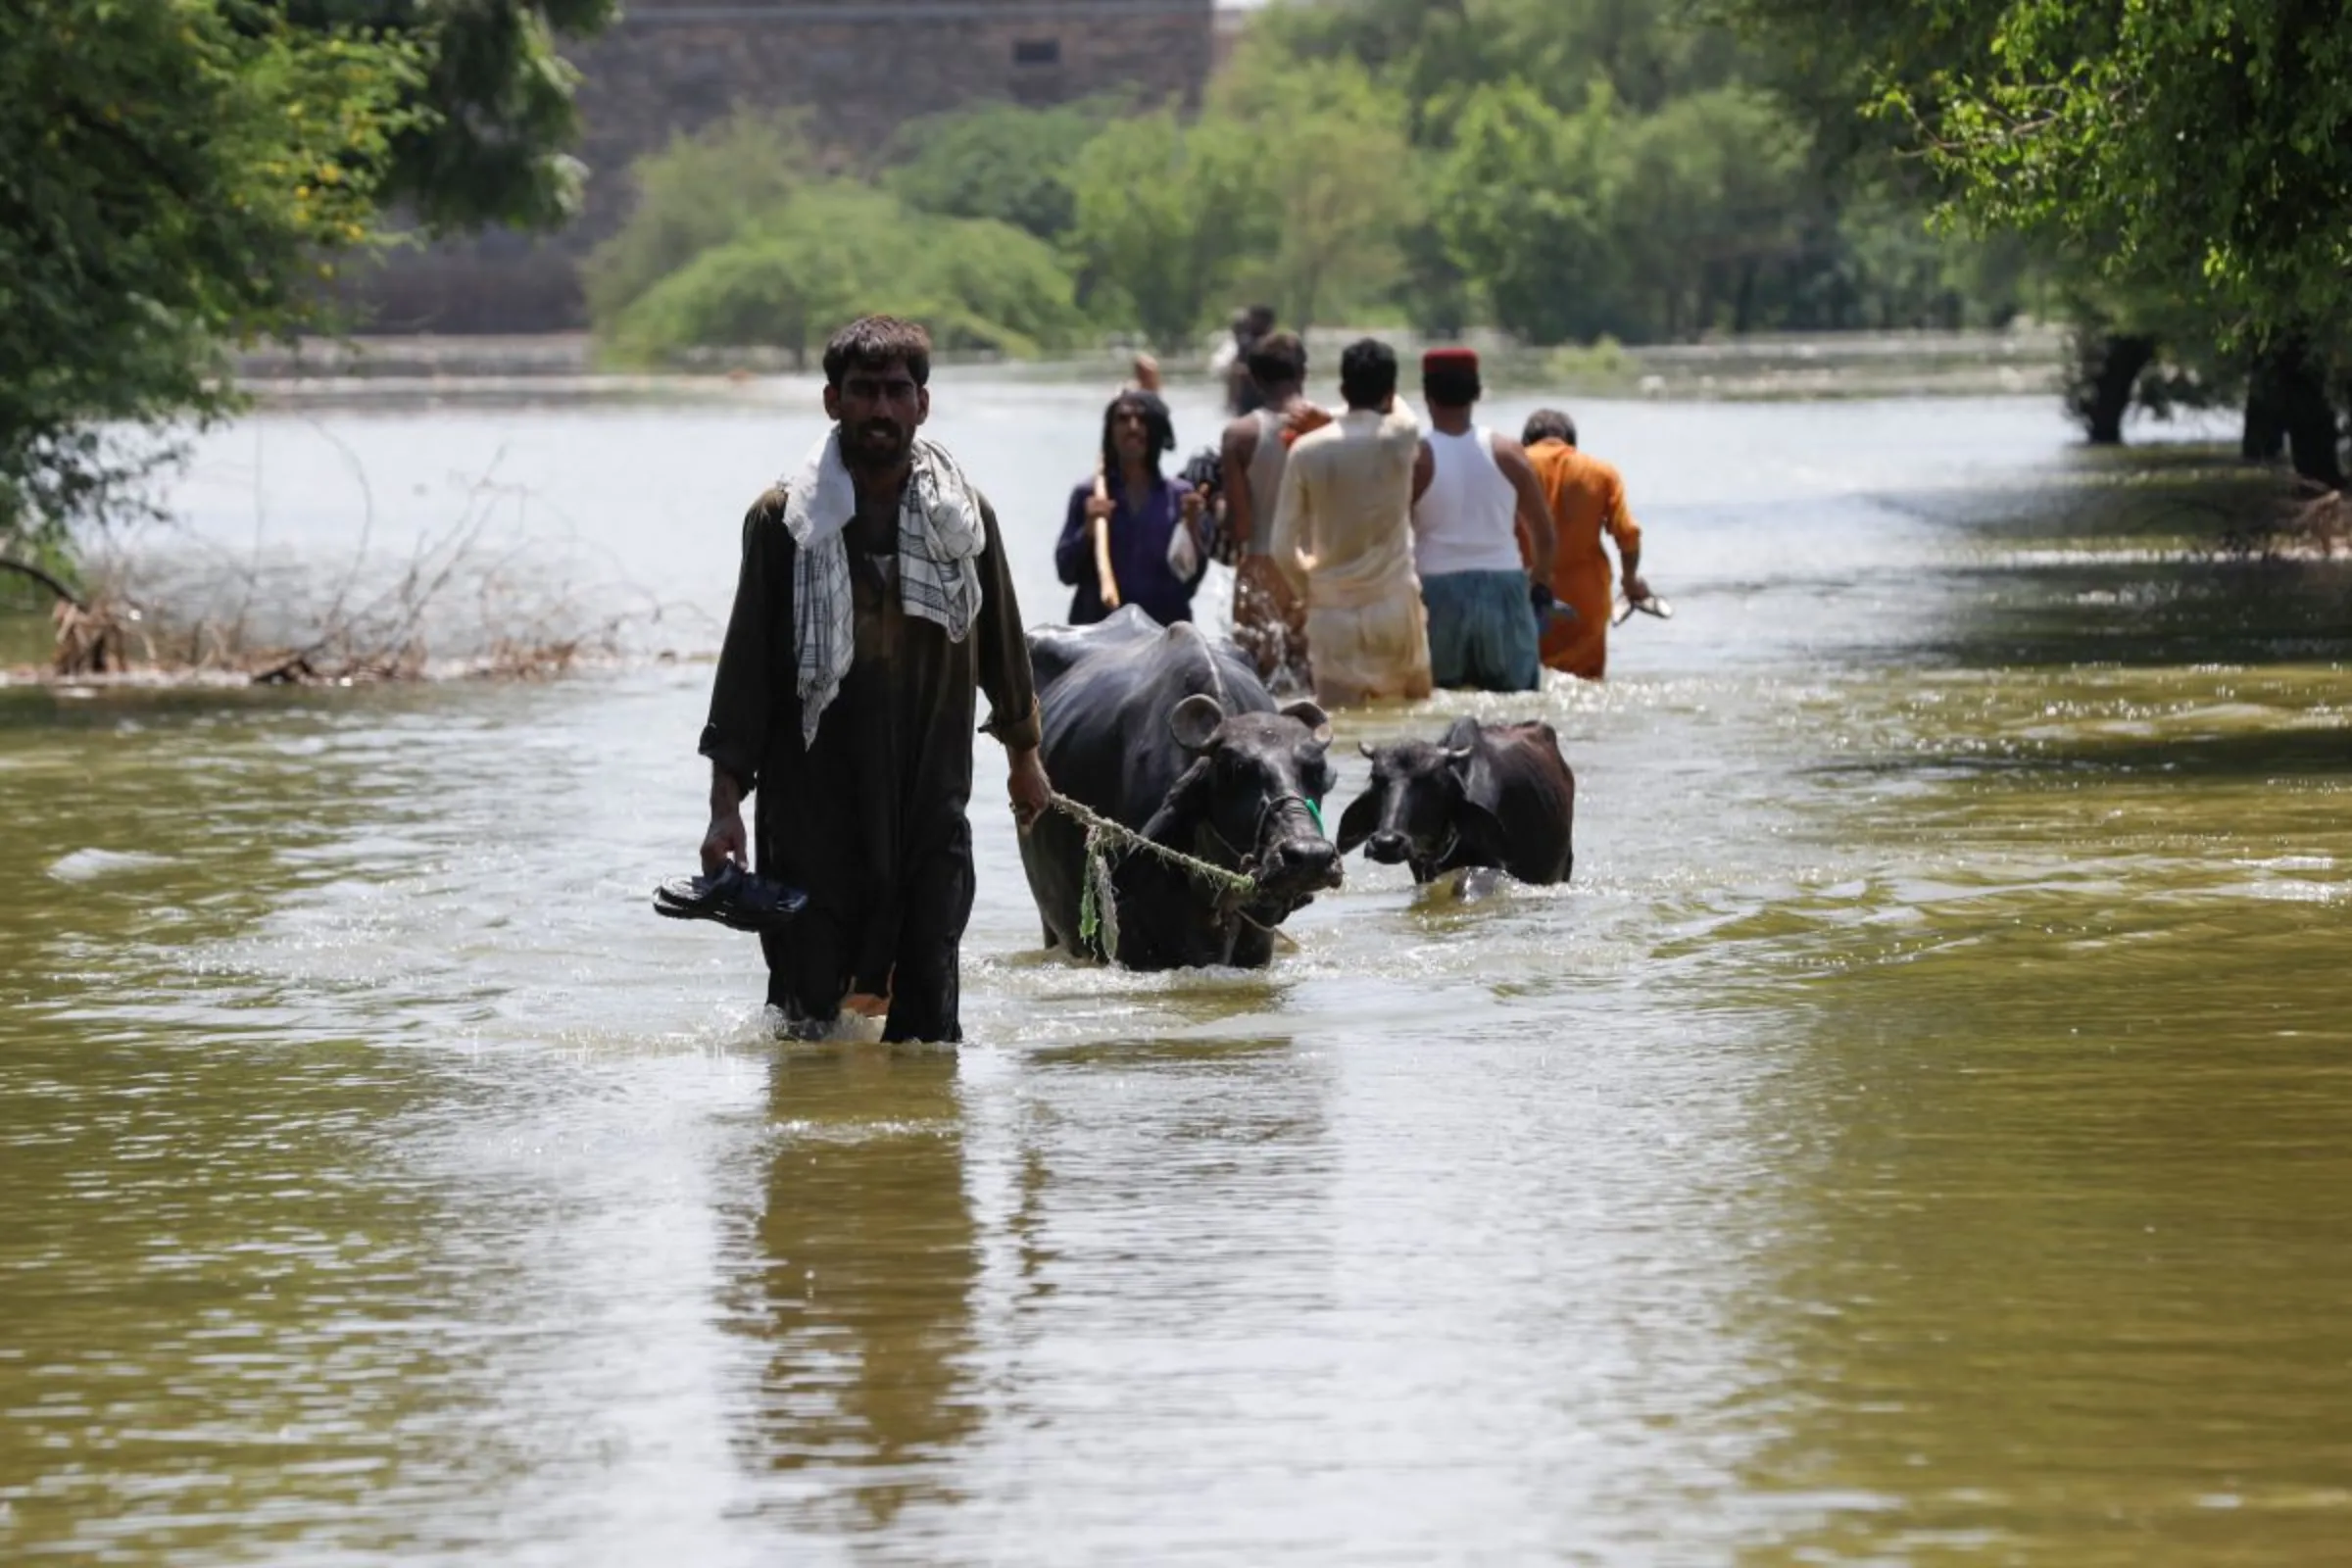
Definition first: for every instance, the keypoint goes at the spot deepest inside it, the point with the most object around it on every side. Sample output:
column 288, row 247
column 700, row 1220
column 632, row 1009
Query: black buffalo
column 1167, row 733
column 1488, row 795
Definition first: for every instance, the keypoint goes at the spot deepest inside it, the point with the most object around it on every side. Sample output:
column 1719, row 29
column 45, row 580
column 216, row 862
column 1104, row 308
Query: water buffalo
column 1488, row 795
column 1172, row 735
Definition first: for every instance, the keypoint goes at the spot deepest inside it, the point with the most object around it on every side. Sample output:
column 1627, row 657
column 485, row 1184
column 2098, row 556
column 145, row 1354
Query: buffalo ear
column 1317, row 721
column 1366, row 748
column 1195, row 721
column 1359, row 821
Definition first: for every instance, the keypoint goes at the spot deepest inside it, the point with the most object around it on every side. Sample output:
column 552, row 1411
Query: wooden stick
column 1104, row 577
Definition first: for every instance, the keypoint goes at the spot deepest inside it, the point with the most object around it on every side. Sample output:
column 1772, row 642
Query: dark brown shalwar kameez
column 870, row 822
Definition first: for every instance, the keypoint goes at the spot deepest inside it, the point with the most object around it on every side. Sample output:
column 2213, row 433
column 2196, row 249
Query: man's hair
column 1260, row 318
column 1276, row 358
column 1547, row 425
column 1367, row 374
column 1452, row 386
column 876, row 342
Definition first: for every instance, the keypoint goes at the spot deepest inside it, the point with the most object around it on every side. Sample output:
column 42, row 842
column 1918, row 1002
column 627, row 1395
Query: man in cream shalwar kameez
column 1343, row 535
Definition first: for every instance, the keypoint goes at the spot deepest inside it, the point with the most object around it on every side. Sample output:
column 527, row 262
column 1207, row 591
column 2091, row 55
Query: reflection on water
column 858, row 1287
column 1912, row 1137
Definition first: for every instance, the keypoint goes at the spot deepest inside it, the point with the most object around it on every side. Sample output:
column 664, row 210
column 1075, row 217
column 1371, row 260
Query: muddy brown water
column 1919, row 1134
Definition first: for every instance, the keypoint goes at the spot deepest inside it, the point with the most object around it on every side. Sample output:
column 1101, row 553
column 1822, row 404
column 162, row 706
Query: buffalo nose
column 1389, row 849
column 1308, row 859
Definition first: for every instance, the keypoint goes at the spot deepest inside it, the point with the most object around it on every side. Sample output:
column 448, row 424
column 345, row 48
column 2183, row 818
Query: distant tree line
column 178, row 176
column 1563, row 169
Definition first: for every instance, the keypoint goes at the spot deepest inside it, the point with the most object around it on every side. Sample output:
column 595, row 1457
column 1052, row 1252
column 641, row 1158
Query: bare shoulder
column 769, row 508
column 1240, row 435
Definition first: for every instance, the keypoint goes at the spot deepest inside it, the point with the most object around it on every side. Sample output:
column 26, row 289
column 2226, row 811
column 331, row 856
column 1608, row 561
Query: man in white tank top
column 1475, row 497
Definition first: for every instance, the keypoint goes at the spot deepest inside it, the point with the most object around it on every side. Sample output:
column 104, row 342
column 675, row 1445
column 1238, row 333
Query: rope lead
column 1098, row 901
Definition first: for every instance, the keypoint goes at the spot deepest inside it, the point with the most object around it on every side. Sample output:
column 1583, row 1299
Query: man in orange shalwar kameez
column 1588, row 499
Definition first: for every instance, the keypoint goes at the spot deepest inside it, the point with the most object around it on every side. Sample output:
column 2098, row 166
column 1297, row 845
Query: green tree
column 2186, row 149
column 831, row 252
column 1521, row 200
column 696, row 194
column 1167, row 217
column 173, row 173
column 1709, row 193
column 999, row 160
column 1340, row 182
column 491, row 117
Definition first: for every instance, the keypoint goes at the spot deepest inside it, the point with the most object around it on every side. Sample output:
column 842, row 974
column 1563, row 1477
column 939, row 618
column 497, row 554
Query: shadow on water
column 2307, row 753
column 2164, row 557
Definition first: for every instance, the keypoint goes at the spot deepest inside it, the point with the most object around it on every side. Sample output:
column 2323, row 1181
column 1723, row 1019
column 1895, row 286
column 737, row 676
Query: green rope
column 1097, row 903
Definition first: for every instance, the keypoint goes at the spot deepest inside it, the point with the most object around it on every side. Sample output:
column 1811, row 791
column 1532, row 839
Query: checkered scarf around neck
column 940, row 538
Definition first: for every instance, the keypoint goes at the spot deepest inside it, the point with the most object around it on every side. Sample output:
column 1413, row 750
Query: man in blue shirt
column 1143, row 513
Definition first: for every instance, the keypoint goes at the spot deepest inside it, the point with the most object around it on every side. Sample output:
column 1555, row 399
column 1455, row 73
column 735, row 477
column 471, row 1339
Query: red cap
column 1449, row 359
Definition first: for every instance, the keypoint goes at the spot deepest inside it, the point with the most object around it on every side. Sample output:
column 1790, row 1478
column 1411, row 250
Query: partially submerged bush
column 699, row 192
column 834, row 252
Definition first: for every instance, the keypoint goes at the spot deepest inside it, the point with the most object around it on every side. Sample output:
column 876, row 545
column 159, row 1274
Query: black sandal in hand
column 733, row 897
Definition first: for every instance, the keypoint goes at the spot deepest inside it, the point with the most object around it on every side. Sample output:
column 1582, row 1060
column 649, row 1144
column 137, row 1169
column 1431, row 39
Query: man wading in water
column 1587, row 500
column 1343, row 534
column 874, row 599
column 1478, row 495
column 1269, row 620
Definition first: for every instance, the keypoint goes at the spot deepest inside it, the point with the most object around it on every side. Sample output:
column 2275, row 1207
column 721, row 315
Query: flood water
column 1919, row 1134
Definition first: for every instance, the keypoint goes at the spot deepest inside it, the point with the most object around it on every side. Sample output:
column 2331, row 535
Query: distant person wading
column 1230, row 365
column 1586, row 499
column 1269, row 618
column 1343, row 534
column 1476, row 494
column 1158, row 548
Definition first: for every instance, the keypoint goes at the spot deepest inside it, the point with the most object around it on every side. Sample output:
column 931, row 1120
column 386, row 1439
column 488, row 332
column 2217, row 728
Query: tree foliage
column 1168, row 215
column 177, row 175
column 999, row 160
column 491, row 114
column 697, row 193
column 2187, row 167
column 2199, row 139
column 1338, row 178
column 793, row 273
column 1522, row 200
column 173, row 174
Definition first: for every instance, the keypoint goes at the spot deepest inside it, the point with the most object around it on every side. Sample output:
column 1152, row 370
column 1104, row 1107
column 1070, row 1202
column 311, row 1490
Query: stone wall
column 860, row 68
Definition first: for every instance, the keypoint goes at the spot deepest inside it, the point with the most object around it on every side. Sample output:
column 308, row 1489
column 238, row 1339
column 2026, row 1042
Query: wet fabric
column 1344, row 536
column 1369, row 652
column 1139, row 555
column 869, row 817
column 1481, row 631
column 1586, row 496
column 1269, row 617
column 1270, row 623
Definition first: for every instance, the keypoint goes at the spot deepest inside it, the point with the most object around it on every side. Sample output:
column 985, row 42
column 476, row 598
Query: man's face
column 879, row 409
column 1129, row 434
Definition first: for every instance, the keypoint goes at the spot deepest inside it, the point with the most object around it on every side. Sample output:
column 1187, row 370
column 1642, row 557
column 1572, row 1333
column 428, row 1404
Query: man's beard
column 876, row 444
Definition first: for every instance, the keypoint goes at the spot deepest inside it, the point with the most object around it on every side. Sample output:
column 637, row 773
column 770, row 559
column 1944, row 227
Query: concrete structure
column 860, row 68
